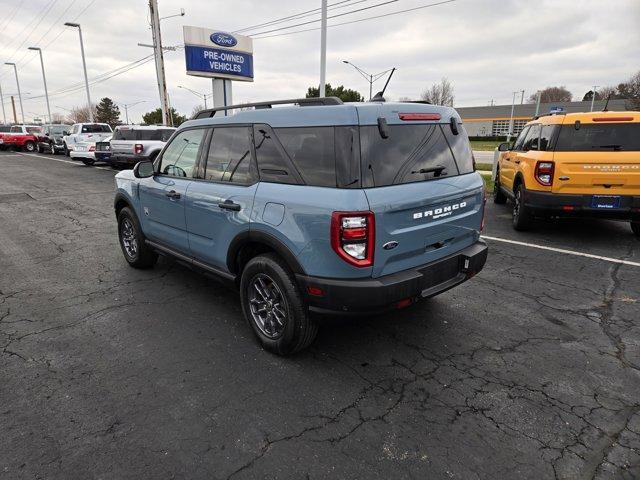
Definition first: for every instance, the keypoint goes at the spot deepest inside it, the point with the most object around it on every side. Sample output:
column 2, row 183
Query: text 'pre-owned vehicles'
column 321, row 207
column 573, row 165
column 85, row 133
column 133, row 143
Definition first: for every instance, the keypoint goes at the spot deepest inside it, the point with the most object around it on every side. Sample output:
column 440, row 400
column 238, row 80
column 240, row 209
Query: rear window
column 599, row 137
column 412, row 153
column 161, row 134
column 95, row 128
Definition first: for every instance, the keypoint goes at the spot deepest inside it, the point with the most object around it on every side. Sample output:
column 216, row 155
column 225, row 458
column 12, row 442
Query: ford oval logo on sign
column 223, row 39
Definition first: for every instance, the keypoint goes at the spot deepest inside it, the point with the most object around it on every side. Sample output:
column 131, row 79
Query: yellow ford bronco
column 578, row 164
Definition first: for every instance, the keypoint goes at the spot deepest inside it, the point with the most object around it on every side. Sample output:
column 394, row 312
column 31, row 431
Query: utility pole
column 538, row 102
column 4, row 114
column 44, row 79
column 15, row 70
column 13, row 104
column 522, row 97
column 323, row 50
column 157, row 47
column 513, row 104
column 593, row 96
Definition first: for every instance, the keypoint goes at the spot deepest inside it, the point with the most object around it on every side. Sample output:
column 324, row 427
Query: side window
column 546, row 134
column 460, row 147
column 520, row 139
column 273, row 164
column 180, row 157
column 531, row 141
column 15, row 130
column 312, row 151
column 229, row 156
column 76, row 129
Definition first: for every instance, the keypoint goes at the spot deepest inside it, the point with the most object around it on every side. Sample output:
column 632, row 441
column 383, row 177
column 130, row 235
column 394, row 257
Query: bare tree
column 81, row 114
column 604, row 92
column 551, row 94
column 197, row 109
column 439, row 93
column 57, row 118
column 630, row 90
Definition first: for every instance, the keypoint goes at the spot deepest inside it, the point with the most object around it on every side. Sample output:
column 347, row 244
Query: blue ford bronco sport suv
column 318, row 206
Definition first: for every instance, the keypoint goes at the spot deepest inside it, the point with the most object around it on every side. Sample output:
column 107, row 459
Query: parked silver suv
column 133, row 143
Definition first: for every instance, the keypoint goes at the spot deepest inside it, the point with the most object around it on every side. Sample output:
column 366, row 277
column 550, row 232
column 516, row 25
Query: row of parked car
column 90, row 142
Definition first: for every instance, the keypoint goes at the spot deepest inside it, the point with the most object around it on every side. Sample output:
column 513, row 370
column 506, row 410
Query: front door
column 219, row 205
column 162, row 197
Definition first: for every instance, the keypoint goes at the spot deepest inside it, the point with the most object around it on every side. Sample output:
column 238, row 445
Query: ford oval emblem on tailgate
column 223, row 39
column 390, row 245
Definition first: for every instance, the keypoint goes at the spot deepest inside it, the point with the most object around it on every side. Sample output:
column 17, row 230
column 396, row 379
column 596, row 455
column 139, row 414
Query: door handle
column 173, row 194
column 230, row 205
column 517, row 161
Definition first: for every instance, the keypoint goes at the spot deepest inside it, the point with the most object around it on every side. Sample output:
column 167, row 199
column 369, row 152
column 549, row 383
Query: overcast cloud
column 487, row 48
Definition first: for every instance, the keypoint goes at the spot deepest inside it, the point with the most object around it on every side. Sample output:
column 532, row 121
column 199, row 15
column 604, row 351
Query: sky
column 486, row 48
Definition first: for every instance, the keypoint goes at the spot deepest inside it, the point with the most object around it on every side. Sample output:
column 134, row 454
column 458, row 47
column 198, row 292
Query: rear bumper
column 379, row 294
column 125, row 159
column 545, row 203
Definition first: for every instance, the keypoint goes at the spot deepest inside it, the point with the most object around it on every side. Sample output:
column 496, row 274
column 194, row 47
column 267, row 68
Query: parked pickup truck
column 24, row 137
column 133, row 143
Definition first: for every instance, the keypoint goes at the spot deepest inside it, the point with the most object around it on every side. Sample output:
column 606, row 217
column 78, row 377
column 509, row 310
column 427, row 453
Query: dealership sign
column 215, row 54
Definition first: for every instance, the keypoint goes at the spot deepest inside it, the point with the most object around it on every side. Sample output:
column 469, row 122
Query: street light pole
column 44, row 79
column 15, row 70
column 126, row 109
column 513, row 104
column 84, row 67
column 203, row 96
column 4, row 114
column 323, row 50
column 371, row 78
column 593, row 96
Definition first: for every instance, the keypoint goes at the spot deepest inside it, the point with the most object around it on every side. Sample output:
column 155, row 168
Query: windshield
column 95, row 128
column 412, row 153
column 161, row 134
column 59, row 129
column 599, row 137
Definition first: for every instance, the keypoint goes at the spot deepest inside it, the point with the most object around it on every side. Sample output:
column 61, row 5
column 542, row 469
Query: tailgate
column 601, row 173
column 418, row 223
column 122, row 147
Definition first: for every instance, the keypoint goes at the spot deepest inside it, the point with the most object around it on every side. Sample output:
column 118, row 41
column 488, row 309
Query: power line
column 42, row 17
column 331, row 16
column 297, row 16
column 6, row 21
column 359, row 20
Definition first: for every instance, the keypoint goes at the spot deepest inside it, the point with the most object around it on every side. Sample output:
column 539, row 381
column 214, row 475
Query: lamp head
column 70, row 24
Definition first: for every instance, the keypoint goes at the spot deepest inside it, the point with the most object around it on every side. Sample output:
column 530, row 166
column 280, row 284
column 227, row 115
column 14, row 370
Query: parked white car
column 81, row 133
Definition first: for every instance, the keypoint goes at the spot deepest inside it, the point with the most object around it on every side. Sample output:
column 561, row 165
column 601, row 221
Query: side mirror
column 143, row 169
column 503, row 147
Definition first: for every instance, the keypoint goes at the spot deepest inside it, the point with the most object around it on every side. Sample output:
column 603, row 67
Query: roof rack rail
column 303, row 102
column 424, row 102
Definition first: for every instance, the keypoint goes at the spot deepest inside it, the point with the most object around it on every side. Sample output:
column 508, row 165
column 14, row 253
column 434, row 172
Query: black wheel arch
column 120, row 201
column 247, row 245
column 518, row 180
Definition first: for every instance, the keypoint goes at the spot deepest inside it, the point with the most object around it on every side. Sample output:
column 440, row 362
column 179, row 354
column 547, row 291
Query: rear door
column 427, row 206
column 162, row 197
column 599, row 158
column 219, row 203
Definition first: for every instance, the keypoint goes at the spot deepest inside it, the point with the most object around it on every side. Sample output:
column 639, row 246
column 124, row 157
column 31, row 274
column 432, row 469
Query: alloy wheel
column 129, row 238
column 268, row 307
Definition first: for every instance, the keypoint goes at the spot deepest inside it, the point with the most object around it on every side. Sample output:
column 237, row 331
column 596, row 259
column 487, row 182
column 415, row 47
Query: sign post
column 220, row 56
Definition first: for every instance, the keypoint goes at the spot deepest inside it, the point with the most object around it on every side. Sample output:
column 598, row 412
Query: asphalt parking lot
column 531, row 370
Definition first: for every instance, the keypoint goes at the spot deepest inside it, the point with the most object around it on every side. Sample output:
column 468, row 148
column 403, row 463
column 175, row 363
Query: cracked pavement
column 531, row 370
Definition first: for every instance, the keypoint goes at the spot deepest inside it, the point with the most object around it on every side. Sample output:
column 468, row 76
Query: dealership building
column 493, row 121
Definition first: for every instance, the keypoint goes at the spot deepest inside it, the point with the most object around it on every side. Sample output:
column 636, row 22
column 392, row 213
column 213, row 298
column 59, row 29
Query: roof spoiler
column 302, row 102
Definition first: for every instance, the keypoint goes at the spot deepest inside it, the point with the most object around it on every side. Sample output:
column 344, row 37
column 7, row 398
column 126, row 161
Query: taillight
column 92, row 148
column 544, row 173
column 138, row 148
column 353, row 237
column 412, row 117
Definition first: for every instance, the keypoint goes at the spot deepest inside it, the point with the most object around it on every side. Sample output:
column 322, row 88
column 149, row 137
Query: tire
column 136, row 252
column 267, row 283
column 498, row 195
column 30, row 146
column 39, row 149
column 52, row 149
column 522, row 218
column 635, row 227
column 88, row 162
column 66, row 150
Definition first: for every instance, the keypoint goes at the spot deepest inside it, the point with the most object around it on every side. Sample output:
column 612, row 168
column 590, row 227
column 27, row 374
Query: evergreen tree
column 108, row 112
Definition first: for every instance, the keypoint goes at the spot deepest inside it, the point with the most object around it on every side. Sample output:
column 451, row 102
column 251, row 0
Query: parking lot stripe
column 562, row 250
column 76, row 164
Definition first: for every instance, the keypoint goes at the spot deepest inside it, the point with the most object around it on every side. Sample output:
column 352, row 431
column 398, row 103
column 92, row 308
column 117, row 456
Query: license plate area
column 441, row 272
column 605, row 202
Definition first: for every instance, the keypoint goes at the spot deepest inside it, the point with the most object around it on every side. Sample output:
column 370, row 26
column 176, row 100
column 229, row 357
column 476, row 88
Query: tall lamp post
column 84, row 67
column 126, row 109
column 371, row 78
column 44, row 79
column 4, row 114
column 15, row 70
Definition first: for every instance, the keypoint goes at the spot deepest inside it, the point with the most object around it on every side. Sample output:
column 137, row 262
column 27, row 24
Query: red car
column 24, row 137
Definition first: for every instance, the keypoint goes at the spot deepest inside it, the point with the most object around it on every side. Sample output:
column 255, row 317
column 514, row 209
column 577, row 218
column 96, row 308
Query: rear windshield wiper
column 437, row 170
column 615, row 146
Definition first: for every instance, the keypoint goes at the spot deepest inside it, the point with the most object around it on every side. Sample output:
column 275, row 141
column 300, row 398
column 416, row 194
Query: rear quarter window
column 312, row 151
